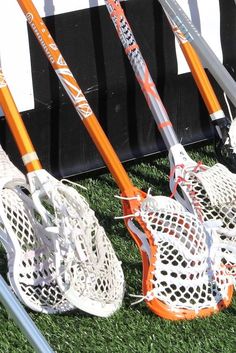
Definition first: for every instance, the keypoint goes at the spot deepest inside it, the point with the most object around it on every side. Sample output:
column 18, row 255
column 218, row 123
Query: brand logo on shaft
column 30, row 20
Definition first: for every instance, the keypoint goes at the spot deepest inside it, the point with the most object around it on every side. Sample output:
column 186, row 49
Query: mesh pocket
column 185, row 276
column 201, row 190
column 219, row 184
column 31, row 270
column 90, row 264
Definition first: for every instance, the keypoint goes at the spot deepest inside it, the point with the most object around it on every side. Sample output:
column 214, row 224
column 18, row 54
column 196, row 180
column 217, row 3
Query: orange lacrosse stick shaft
column 76, row 95
column 17, row 127
column 32, row 162
column 90, row 122
column 201, row 78
column 199, row 74
column 101, row 141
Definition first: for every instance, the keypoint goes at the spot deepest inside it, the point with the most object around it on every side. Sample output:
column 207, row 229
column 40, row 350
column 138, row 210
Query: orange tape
column 164, row 124
column 131, row 47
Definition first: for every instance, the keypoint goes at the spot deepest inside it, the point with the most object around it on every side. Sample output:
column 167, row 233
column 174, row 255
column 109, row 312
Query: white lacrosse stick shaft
column 22, row 319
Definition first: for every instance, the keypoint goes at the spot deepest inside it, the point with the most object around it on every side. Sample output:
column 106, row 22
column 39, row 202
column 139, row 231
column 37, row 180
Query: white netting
column 213, row 195
column 88, row 271
column 219, row 184
column 161, row 203
column 187, row 274
column 31, row 268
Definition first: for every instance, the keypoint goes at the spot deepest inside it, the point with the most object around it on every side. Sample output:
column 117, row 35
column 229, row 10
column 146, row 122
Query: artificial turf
column 133, row 328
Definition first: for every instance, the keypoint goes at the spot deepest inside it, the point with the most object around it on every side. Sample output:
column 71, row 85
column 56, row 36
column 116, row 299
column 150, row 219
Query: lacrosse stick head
column 31, row 269
column 182, row 279
column 88, row 271
column 210, row 193
column 214, row 190
column 225, row 147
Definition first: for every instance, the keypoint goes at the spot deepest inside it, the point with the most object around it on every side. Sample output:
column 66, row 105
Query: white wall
column 205, row 15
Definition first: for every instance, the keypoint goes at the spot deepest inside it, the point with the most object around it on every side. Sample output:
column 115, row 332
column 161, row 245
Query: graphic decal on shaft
column 2, row 80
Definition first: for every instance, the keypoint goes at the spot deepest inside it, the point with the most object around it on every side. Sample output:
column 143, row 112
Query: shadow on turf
column 155, row 183
column 205, row 147
column 230, row 310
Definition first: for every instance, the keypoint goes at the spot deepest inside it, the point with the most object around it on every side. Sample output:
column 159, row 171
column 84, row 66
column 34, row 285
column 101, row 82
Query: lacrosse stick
column 225, row 147
column 182, row 278
column 31, row 269
column 22, row 319
column 218, row 71
column 210, row 193
column 86, row 268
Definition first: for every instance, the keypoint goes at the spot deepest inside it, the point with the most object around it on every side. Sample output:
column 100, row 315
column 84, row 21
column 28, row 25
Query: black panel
column 91, row 47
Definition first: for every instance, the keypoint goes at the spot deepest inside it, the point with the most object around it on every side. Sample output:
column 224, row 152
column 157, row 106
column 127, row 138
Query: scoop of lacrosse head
column 225, row 147
column 182, row 280
column 31, row 268
column 88, row 271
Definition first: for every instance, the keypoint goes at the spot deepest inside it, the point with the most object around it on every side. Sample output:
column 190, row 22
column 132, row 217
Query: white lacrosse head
column 208, row 192
column 187, row 274
column 215, row 192
column 88, row 271
column 31, row 268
